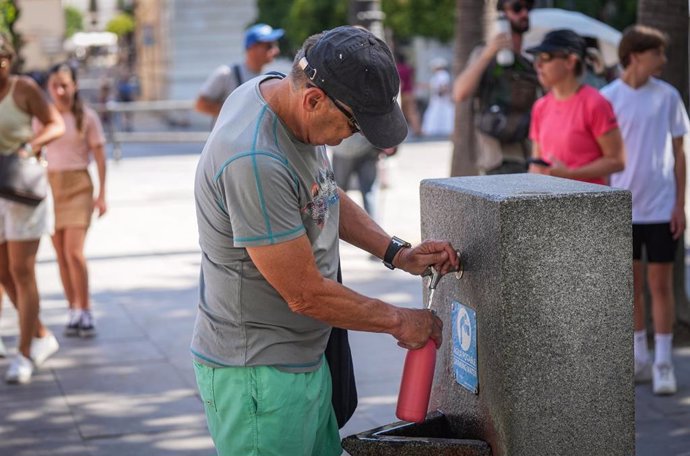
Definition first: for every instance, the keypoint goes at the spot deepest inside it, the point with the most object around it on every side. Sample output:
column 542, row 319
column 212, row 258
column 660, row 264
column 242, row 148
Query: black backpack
column 504, row 100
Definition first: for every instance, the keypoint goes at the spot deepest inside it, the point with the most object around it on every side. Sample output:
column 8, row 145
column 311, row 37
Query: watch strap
column 393, row 248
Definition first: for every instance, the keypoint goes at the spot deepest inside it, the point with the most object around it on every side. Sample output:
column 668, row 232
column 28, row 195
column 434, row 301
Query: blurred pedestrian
column 270, row 219
column 105, row 97
column 573, row 128
column 3, row 350
column 127, row 91
column 73, row 193
column 595, row 69
column 22, row 225
column 439, row 116
column 503, row 92
column 261, row 47
column 653, row 121
column 356, row 156
column 408, row 103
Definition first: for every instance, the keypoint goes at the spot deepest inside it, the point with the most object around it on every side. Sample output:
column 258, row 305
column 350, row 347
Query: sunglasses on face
column 354, row 125
column 549, row 56
column 518, row 7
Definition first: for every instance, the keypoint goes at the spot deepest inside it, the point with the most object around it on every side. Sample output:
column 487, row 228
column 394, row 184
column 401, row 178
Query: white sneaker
column 664, row 380
column 42, row 348
column 20, row 370
column 86, row 324
column 643, row 372
column 72, row 328
column 3, row 350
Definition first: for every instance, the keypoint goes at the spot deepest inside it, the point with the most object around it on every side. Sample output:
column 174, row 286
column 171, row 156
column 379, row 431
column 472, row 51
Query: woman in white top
column 21, row 226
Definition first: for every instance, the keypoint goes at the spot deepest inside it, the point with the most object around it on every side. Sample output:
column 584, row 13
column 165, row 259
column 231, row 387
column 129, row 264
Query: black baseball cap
column 561, row 40
column 353, row 66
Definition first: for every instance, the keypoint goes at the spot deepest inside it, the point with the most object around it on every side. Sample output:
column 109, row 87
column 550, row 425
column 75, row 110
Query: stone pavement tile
column 668, row 437
column 78, row 353
column 43, row 386
column 190, row 441
column 171, row 330
column 145, row 414
column 129, row 398
column 91, row 384
column 376, row 356
column 185, row 371
column 26, row 416
column 64, row 443
column 113, row 321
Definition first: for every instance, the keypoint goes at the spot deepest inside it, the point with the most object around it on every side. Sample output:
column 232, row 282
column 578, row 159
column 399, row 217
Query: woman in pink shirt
column 573, row 130
column 70, row 182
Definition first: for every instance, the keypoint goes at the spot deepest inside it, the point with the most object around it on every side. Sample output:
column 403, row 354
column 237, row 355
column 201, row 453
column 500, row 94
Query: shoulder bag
column 23, row 179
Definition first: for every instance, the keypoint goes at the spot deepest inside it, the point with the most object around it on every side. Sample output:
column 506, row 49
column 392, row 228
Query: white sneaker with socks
column 86, row 324
column 20, row 370
column 664, row 379
column 43, row 347
column 643, row 371
column 72, row 328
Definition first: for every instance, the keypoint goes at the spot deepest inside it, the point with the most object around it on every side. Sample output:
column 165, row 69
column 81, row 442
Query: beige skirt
column 72, row 198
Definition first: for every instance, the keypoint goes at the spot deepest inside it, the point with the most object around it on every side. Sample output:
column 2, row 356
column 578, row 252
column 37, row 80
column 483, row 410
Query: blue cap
column 261, row 33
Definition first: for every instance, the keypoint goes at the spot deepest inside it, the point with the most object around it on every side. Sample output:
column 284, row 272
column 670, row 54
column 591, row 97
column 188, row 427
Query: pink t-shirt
column 567, row 130
column 72, row 150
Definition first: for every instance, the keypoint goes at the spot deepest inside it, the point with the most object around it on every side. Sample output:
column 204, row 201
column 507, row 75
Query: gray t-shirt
column 258, row 185
column 223, row 81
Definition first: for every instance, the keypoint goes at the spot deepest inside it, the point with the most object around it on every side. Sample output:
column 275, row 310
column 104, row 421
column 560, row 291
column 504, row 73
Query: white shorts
column 20, row 222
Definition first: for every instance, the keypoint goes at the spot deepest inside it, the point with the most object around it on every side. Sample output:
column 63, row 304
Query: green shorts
column 261, row 411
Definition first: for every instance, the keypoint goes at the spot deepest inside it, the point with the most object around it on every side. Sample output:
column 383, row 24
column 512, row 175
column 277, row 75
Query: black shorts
column 657, row 240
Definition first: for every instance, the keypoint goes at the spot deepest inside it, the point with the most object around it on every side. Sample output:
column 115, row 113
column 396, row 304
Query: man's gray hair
column 297, row 75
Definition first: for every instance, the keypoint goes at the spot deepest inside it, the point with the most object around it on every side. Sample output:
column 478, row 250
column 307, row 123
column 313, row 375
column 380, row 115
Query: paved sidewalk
column 131, row 391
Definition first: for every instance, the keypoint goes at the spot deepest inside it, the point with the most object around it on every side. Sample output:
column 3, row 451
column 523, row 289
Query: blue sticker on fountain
column 464, row 350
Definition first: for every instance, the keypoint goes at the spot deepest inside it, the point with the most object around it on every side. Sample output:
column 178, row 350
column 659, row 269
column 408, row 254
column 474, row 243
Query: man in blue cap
column 261, row 47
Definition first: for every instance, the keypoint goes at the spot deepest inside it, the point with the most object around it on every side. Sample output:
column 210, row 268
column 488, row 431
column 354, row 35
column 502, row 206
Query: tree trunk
column 469, row 31
column 671, row 16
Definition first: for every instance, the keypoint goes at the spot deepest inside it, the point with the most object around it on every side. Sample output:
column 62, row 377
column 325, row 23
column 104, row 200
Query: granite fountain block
column 541, row 320
column 548, row 270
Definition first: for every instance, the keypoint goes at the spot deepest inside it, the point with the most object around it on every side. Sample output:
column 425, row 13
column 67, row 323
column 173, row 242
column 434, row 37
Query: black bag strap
column 238, row 75
column 339, row 358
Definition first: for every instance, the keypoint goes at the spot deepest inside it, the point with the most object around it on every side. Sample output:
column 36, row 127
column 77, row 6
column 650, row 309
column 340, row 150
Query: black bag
column 339, row 359
column 23, row 179
column 505, row 98
column 497, row 122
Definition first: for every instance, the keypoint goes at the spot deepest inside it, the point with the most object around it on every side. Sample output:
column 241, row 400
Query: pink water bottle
column 415, row 386
column 418, row 373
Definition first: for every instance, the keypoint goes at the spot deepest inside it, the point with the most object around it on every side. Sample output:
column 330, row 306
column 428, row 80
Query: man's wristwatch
column 393, row 248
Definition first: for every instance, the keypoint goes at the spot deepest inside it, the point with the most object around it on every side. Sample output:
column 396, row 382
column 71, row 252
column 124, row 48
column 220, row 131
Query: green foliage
column 8, row 15
column 427, row 18
column 121, row 25
column 74, row 21
column 274, row 13
column 407, row 18
column 307, row 17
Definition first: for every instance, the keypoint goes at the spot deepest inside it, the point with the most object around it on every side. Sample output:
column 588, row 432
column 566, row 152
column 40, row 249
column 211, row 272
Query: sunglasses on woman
column 549, row 56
